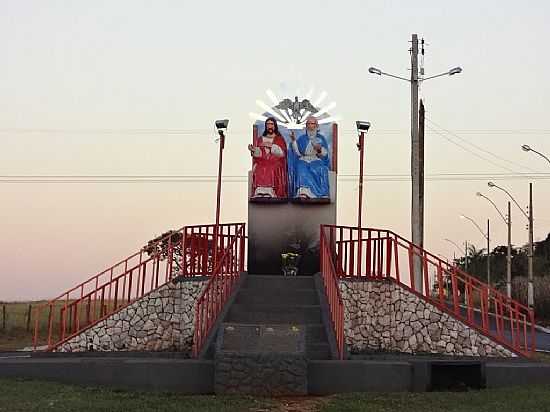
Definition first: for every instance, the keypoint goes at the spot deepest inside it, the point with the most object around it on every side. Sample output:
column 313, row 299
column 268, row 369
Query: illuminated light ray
column 329, row 119
column 270, row 111
column 286, row 116
column 325, row 109
column 320, row 98
column 272, row 97
column 257, row 116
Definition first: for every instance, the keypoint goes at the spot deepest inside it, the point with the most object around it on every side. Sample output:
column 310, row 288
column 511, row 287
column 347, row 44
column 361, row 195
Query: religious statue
column 269, row 164
column 309, row 164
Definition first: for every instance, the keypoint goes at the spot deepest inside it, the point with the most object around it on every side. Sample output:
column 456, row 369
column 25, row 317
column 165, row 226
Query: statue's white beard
column 312, row 133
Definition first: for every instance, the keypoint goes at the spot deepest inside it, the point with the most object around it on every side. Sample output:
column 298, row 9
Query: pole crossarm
column 433, row 77
column 511, row 197
column 495, row 206
column 395, row 77
column 476, row 225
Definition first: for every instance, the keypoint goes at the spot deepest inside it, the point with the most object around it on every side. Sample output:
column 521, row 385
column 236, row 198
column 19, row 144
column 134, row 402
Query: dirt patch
column 296, row 404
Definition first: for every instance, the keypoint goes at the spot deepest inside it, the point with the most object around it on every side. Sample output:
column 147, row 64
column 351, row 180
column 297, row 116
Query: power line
column 472, row 152
column 479, row 147
column 71, row 179
column 202, row 131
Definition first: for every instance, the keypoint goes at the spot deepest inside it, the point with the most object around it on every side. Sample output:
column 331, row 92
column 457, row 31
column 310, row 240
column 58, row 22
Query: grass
column 21, row 395
column 517, row 399
column 27, row 395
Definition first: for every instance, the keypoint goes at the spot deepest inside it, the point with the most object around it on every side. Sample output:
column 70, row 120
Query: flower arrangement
column 290, row 263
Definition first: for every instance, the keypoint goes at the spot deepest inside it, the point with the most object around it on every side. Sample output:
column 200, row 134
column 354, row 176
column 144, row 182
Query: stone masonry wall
column 382, row 316
column 164, row 320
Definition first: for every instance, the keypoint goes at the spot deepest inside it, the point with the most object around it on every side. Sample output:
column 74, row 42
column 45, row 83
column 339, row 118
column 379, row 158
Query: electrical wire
column 479, row 147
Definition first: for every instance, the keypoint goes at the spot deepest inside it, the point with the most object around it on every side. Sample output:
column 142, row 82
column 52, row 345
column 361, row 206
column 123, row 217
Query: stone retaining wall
column 163, row 320
column 383, row 316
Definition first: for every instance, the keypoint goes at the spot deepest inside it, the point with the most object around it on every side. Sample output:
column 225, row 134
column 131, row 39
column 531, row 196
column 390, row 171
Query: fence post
column 4, row 317
column 29, row 318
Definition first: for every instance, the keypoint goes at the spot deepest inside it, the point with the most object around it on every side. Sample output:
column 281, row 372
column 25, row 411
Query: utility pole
column 416, row 222
column 421, row 117
column 509, row 254
column 488, row 255
column 530, row 289
column 466, row 256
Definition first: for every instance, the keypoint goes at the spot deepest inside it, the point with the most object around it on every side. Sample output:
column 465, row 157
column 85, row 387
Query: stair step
column 318, row 351
column 275, row 314
column 277, row 297
column 267, row 282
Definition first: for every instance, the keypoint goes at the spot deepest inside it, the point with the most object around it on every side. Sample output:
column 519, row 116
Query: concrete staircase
column 272, row 329
column 283, row 301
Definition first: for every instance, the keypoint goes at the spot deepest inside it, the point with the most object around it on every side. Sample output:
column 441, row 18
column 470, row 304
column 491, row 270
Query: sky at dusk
column 132, row 88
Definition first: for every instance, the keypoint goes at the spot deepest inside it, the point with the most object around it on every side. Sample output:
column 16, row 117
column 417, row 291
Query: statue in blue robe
column 308, row 161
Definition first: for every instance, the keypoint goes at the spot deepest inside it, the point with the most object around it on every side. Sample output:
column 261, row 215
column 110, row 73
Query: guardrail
column 213, row 298
column 381, row 254
column 332, row 291
column 187, row 252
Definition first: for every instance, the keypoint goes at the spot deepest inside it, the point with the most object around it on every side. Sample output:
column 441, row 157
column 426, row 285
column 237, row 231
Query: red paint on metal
column 505, row 320
column 128, row 280
column 220, row 286
column 332, row 290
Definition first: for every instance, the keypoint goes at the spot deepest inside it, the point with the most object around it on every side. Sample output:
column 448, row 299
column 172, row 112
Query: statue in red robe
column 269, row 170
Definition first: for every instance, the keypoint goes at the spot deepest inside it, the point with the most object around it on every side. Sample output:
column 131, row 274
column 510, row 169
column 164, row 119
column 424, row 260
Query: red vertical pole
column 360, row 147
column 360, row 206
column 218, row 198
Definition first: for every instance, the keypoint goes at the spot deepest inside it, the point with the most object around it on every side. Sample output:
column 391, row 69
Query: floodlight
column 526, row 148
column 455, row 70
column 491, row 184
column 362, row 126
column 221, row 125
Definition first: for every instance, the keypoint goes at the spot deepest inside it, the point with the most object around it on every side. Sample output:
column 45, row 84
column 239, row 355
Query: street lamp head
column 462, row 217
column 526, row 148
column 362, row 126
column 491, row 184
column 455, row 70
column 221, row 126
column 479, row 194
column 374, row 70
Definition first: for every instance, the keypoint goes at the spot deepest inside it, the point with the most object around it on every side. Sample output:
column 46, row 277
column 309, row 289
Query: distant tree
column 165, row 244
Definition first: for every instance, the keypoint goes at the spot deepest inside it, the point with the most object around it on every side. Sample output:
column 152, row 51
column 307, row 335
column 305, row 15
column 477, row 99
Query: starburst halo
column 287, row 119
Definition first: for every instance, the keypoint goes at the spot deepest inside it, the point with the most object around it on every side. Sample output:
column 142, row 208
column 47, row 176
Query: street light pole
column 362, row 129
column 508, row 222
column 488, row 256
column 530, row 288
column 417, row 201
column 221, row 126
column 416, row 219
column 509, row 254
column 360, row 145
column 527, row 148
column 488, row 237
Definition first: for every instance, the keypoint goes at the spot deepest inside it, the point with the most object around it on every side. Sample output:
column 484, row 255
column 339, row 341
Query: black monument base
column 266, row 360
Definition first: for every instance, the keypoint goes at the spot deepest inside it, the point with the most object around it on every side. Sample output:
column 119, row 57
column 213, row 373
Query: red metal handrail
column 177, row 253
column 381, row 254
column 332, row 291
column 213, row 298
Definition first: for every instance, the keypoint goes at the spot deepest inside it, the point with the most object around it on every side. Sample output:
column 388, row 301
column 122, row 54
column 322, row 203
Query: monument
column 292, row 186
